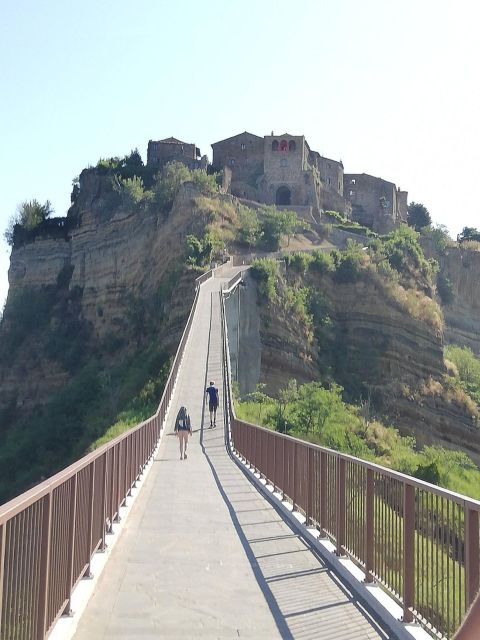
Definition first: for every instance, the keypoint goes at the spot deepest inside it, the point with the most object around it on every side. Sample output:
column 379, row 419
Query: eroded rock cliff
column 116, row 275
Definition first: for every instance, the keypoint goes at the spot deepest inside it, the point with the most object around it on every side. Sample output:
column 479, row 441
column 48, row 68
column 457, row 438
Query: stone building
column 280, row 170
column 160, row 152
column 376, row 203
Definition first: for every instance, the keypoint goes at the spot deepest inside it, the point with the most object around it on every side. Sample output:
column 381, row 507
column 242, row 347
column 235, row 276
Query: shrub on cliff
column 265, row 272
column 445, row 288
column 29, row 215
column 349, row 263
column 169, row 180
column 132, row 191
column 468, row 366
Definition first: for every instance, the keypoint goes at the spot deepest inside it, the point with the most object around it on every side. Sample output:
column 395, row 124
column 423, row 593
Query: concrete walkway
column 203, row 554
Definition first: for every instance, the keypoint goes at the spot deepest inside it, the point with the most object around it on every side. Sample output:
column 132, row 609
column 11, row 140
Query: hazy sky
column 389, row 87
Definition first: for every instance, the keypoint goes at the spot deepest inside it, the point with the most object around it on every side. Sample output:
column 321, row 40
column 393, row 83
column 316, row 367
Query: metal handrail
column 49, row 534
column 418, row 541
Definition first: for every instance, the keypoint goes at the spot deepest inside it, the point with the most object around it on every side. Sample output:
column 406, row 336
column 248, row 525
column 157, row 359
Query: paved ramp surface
column 203, row 554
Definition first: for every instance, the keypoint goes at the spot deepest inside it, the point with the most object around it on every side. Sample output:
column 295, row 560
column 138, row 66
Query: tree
column 249, row 230
column 418, row 216
column 29, row 215
column 168, row 183
column 277, row 224
column 469, row 233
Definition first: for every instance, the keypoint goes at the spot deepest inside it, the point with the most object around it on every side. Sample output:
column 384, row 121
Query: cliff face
column 114, row 267
column 373, row 348
column 462, row 316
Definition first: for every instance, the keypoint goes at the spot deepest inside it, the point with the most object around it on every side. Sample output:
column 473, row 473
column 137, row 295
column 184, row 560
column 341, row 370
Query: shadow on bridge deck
column 202, row 553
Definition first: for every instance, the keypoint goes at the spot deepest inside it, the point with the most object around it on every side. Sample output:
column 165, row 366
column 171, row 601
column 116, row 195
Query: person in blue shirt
column 212, row 393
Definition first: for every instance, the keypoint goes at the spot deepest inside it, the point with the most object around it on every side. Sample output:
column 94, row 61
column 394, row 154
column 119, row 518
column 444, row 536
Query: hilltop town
column 284, row 171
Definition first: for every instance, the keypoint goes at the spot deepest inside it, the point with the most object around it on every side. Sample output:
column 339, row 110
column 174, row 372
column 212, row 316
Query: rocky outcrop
column 373, row 347
column 462, row 317
column 115, row 261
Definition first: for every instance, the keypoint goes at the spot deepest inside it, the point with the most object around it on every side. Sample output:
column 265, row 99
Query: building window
column 275, row 145
column 283, row 162
column 352, row 181
column 232, row 161
column 352, row 193
column 328, row 181
column 329, row 166
column 284, row 145
column 291, row 145
column 243, row 146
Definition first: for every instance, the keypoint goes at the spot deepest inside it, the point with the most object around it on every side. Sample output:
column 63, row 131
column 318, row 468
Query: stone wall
column 243, row 154
column 373, row 200
column 160, row 152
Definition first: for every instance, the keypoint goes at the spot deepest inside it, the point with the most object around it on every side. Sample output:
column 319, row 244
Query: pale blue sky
column 389, row 87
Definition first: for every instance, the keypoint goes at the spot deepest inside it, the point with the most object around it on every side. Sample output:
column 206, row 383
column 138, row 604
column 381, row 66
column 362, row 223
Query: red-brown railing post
column 309, row 509
column 471, row 555
column 44, row 566
column 408, row 551
column 3, row 537
column 294, row 480
column 71, row 541
column 323, row 492
column 104, row 502
column 341, row 507
column 91, row 496
column 117, row 484
column 369, row 525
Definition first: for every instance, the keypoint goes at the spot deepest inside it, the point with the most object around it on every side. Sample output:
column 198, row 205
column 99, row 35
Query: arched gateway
column 283, row 196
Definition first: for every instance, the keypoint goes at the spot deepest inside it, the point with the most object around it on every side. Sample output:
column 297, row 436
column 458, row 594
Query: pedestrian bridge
column 255, row 535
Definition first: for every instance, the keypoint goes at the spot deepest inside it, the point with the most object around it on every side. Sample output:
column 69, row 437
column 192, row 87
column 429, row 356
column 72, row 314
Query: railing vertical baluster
column 3, row 543
column 341, row 507
column 294, row 479
column 91, row 498
column 471, row 561
column 369, row 525
column 310, row 485
column 71, row 541
column 118, row 484
column 44, row 566
column 323, row 492
column 408, row 551
column 104, row 502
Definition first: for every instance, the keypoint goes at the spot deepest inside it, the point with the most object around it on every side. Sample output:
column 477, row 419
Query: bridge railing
column 49, row 534
column 418, row 541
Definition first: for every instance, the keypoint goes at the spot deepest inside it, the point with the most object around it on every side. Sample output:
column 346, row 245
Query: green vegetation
column 99, row 403
column 445, row 288
column 30, row 214
column 418, row 216
column 268, row 228
column 249, row 227
column 467, row 371
column 469, row 234
column 200, row 251
column 439, row 235
column 319, row 414
column 265, row 272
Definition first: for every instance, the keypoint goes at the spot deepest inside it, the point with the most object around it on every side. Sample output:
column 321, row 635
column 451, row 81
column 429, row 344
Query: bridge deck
column 203, row 554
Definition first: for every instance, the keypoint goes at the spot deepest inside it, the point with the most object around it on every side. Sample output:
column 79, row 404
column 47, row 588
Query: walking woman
column 183, row 429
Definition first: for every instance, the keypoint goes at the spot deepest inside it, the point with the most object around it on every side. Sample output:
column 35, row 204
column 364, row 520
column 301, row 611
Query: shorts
column 212, row 406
